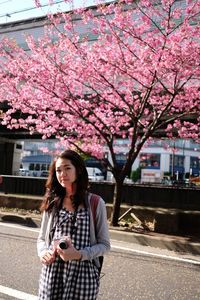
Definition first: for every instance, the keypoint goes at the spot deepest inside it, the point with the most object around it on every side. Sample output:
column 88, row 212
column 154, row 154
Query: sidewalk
column 190, row 245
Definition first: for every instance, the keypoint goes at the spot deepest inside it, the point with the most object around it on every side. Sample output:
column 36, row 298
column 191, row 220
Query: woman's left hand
column 70, row 253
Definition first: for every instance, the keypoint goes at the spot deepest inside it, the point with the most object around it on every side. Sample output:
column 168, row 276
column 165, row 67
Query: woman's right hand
column 48, row 257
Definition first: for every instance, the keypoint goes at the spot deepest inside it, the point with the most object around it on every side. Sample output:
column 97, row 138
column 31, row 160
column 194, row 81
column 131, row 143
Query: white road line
column 191, row 261
column 180, row 259
column 16, row 294
column 19, row 227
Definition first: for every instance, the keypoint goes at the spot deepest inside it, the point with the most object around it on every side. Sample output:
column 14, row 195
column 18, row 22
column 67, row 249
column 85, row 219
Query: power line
column 26, row 9
column 5, row 2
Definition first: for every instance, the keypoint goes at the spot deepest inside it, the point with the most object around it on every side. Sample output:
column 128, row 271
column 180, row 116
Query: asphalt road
column 132, row 272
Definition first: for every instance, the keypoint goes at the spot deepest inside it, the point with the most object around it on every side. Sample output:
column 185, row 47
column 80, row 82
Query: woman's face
column 65, row 172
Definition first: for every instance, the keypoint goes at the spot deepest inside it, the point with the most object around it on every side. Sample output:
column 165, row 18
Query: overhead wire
column 5, row 2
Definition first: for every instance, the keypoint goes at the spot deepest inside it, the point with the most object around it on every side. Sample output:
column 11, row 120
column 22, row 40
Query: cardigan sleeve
column 100, row 234
column 42, row 241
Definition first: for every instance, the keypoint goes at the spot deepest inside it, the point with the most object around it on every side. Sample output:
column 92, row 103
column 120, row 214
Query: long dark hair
column 55, row 193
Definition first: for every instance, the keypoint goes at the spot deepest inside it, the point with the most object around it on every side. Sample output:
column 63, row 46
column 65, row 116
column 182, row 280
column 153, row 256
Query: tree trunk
column 117, row 197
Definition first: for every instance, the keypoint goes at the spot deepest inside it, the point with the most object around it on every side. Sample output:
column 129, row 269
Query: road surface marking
column 19, row 227
column 180, row 259
column 16, row 294
column 191, row 261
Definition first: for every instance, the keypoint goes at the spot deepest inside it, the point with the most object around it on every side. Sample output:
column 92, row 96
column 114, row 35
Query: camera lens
column 63, row 244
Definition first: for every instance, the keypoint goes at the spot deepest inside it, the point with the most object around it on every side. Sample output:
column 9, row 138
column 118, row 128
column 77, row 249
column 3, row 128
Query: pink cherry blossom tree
column 130, row 69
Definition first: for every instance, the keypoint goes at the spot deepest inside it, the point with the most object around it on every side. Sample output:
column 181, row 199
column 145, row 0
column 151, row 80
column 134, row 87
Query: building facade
column 176, row 158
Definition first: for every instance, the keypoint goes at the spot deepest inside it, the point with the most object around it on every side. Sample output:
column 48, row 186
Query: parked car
column 23, row 172
column 95, row 174
column 44, row 174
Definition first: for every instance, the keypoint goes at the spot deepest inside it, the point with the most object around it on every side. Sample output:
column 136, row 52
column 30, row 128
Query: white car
column 23, row 172
column 95, row 174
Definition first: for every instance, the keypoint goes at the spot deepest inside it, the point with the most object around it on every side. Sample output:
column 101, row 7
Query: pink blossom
column 111, row 72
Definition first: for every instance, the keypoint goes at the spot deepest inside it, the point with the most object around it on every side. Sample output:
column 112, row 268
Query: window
column 37, row 167
column 150, row 160
column 178, row 160
column 31, row 167
column 43, row 167
column 18, row 146
column 177, row 168
column 194, row 162
column 121, row 157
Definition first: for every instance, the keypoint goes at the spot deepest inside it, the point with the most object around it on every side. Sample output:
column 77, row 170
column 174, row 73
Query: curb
column 186, row 245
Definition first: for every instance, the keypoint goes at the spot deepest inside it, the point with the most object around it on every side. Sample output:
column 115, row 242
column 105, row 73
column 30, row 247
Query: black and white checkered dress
column 72, row 280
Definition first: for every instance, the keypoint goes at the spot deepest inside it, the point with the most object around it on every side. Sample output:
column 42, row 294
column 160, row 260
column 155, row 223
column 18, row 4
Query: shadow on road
column 26, row 221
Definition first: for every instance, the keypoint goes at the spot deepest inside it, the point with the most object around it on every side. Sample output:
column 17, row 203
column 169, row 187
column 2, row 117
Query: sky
column 14, row 10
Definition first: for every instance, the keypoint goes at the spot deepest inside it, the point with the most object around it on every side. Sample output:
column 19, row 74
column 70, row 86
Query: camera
column 63, row 244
